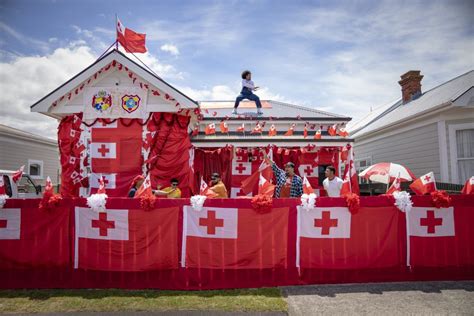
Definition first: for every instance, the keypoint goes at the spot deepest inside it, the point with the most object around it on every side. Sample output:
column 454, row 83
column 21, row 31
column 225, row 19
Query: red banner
column 126, row 240
column 30, row 237
column 333, row 238
column 441, row 237
column 231, row 238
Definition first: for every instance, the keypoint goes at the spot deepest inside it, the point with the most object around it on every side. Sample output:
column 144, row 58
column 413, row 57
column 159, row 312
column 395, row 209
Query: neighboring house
column 425, row 131
column 39, row 154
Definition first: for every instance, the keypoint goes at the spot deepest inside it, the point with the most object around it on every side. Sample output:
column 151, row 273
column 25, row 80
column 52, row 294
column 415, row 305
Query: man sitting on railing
column 218, row 186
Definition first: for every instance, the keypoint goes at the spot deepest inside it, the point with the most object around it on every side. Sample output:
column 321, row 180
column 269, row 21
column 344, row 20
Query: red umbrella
column 386, row 172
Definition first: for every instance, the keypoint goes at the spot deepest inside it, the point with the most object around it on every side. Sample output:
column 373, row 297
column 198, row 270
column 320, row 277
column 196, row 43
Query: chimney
column 411, row 85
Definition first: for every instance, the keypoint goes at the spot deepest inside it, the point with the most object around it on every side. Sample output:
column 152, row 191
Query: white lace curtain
column 465, row 150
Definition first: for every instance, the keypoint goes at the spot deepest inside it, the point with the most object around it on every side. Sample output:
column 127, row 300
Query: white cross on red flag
column 238, row 231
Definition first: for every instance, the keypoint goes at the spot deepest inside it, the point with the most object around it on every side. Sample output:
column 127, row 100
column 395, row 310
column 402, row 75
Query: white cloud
column 27, row 79
column 172, row 49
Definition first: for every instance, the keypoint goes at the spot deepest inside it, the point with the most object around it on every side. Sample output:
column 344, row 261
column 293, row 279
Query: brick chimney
column 411, row 85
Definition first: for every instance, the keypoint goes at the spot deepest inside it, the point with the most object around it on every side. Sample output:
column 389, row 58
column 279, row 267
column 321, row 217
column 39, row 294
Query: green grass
column 43, row 301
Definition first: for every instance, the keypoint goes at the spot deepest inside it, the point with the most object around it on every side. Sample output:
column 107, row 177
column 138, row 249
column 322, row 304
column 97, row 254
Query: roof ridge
column 305, row 108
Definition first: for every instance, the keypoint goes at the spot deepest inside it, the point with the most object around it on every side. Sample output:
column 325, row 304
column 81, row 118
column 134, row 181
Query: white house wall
column 416, row 148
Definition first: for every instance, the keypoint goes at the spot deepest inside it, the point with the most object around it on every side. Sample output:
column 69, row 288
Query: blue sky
column 339, row 56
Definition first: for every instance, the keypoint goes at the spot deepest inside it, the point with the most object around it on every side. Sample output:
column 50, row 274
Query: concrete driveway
column 415, row 298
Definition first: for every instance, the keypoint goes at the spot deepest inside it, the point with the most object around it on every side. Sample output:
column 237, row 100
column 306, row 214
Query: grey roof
column 398, row 112
column 7, row 130
column 275, row 109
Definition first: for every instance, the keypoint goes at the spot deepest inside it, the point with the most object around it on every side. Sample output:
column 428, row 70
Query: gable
column 115, row 72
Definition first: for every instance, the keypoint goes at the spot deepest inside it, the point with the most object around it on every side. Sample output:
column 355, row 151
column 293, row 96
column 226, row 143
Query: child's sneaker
column 234, row 112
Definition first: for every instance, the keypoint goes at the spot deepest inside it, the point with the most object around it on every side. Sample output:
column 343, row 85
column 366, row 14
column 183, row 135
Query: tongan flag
column 231, row 238
column 424, row 184
column 126, row 240
column 132, row 42
column 332, row 238
column 468, row 186
column 441, row 237
column 33, row 238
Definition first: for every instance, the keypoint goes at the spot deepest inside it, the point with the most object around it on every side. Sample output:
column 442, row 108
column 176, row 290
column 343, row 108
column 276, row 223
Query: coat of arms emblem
column 130, row 102
column 101, row 101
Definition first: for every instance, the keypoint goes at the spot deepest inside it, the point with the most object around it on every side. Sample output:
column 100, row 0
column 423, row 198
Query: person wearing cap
column 172, row 191
column 218, row 186
column 288, row 184
column 135, row 185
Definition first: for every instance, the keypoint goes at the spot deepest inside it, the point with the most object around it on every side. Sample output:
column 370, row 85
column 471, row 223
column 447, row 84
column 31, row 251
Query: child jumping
column 246, row 93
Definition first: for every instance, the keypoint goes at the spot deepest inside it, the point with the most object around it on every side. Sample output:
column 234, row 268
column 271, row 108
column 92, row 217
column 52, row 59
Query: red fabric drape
column 69, row 133
column 213, row 160
column 169, row 150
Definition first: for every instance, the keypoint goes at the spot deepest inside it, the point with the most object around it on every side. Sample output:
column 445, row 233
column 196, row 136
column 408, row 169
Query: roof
column 7, row 130
column 213, row 110
column 44, row 104
column 391, row 114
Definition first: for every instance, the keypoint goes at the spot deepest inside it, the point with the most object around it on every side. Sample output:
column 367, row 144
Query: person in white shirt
column 332, row 184
column 247, row 93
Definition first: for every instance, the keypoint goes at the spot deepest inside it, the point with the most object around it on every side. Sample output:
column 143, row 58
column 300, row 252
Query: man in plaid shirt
column 288, row 184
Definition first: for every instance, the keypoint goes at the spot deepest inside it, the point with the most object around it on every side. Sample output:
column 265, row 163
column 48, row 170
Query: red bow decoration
column 49, row 201
column 440, row 199
column 262, row 203
column 353, row 202
column 147, row 202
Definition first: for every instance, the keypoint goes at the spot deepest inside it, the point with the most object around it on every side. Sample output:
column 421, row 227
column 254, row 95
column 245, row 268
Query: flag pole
column 116, row 39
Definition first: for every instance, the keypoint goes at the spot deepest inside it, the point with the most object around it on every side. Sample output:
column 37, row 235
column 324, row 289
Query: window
column 465, row 154
column 26, row 186
column 35, row 169
column 361, row 164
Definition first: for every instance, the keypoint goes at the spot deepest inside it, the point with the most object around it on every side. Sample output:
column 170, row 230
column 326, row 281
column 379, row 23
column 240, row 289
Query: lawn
column 42, row 301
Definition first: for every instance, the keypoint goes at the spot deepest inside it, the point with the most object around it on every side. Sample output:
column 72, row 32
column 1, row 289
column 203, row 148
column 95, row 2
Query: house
column 247, row 133
column 424, row 131
column 39, row 154
column 114, row 115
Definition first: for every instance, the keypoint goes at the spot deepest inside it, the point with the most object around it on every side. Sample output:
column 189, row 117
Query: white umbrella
column 386, row 172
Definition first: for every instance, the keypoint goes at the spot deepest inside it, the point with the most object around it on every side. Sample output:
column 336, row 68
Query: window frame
column 37, row 162
column 453, row 148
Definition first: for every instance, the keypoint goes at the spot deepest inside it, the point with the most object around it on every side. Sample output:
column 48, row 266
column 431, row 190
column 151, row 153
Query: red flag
column 2, row 187
column 101, row 189
column 265, row 187
column 126, row 240
column 468, row 186
column 317, row 135
column 395, row 187
column 48, row 186
column 145, row 188
column 272, row 131
column 440, row 237
column 210, row 129
column 343, row 132
column 241, row 128
column 333, row 238
column 17, row 174
column 223, row 127
column 290, row 130
column 257, row 129
column 345, row 153
column 231, row 238
column 31, row 238
column 351, row 180
column 307, row 189
column 195, row 131
column 132, row 42
column 425, row 184
column 332, row 130
column 265, row 170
